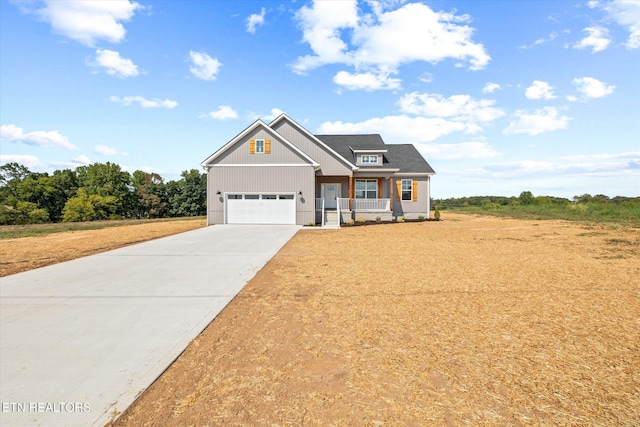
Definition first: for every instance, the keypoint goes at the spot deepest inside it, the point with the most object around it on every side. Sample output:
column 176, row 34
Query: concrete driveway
column 80, row 340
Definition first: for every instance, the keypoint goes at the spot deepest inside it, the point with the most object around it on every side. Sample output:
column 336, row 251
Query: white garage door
column 273, row 208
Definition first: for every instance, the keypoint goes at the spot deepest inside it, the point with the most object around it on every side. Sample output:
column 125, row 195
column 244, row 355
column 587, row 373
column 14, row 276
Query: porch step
column 331, row 219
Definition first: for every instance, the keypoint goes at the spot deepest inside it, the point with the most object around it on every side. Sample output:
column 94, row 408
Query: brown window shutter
column 267, row 146
column 252, row 146
column 415, row 190
column 399, row 188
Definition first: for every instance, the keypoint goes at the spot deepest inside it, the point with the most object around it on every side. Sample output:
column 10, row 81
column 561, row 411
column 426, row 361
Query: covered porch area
column 366, row 195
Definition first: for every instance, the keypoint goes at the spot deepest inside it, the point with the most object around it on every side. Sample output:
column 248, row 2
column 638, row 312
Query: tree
column 187, row 197
column 85, row 207
column 108, row 179
column 151, row 194
column 526, row 198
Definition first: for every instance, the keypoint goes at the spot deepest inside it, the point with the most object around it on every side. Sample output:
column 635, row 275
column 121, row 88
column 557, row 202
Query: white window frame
column 259, row 143
column 369, row 158
column 365, row 189
column 402, row 190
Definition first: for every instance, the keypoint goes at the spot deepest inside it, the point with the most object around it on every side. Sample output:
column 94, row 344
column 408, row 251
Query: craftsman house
column 280, row 173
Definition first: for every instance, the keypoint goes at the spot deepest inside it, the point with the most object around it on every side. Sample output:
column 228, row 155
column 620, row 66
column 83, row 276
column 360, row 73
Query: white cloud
column 597, row 39
column 204, row 66
column 366, row 81
column 625, row 164
column 86, row 21
column 456, row 107
column 81, row 160
column 400, row 129
column 114, row 64
column 105, row 150
column 552, row 37
column 539, row 90
column 224, row 112
column 545, row 120
column 144, row 102
column 39, row 138
column 380, row 43
column 627, row 14
column 275, row 112
column 593, row 88
column 464, row 150
column 31, row 162
column 491, row 87
column 254, row 20
column 572, row 98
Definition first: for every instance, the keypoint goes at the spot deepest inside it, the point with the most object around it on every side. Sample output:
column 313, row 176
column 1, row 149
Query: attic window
column 260, row 146
column 370, row 158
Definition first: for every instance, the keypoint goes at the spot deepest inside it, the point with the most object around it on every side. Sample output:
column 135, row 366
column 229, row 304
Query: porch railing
column 371, row 204
column 343, row 204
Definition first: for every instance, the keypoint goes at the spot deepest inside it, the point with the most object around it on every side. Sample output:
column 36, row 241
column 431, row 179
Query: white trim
column 414, row 174
column 313, row 137
column 378, row 170
column 401, row 190
column 245, row 132
column 369, row 151
column 235, row 165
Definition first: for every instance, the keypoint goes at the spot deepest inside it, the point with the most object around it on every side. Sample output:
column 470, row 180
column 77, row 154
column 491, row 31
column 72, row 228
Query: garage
column 263, row 208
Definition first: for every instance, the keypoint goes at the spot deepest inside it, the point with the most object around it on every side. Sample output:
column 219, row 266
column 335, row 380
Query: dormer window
column 369, row 158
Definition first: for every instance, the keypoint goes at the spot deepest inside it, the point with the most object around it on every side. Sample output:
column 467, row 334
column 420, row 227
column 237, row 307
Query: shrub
column 349, row 222
column 378, row 219
column 436, row 214
column 421, row 217
column 401, row 218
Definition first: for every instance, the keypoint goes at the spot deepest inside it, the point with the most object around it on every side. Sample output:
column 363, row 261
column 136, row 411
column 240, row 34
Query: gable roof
column 404, row 157
column 314, row 138
column 258, row 123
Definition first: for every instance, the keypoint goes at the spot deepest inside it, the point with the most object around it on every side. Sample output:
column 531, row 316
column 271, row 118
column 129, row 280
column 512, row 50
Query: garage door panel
column 280, row 210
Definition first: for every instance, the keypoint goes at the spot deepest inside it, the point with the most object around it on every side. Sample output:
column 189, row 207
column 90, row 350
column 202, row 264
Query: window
column 366, row 189
column 251, row 196
column 285, row 196
column 372, row 158
column 259, row 145
column 269, row 197
column 407, row 189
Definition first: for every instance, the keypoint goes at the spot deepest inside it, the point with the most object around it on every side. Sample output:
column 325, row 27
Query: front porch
column 355, row 209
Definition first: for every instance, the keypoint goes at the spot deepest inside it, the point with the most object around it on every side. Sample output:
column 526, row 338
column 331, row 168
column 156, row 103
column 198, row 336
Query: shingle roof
column 398, row 156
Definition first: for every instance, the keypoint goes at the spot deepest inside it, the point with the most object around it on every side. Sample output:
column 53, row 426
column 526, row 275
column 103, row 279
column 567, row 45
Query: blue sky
column 499, row 96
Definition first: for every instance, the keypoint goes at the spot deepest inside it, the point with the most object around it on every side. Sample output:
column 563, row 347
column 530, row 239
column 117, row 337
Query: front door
column 329, row 193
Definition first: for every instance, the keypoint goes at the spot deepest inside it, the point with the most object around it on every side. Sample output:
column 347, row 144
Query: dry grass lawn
column 27, row 253
column 468, row 321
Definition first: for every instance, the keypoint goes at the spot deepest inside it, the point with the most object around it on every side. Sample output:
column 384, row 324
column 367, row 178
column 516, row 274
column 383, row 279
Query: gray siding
column 241, row 179
column 281, row 153
column 413, row 209
column 329, row 163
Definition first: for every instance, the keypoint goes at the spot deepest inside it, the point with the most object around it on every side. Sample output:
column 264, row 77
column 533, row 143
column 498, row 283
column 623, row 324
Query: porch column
column 391, row 194
column 350, row 190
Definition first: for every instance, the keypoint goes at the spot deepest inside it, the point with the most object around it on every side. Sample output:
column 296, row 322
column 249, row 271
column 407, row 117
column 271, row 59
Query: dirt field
column 27, row 253
column 468, row 321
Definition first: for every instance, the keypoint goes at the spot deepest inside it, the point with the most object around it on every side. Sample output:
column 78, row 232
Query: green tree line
column 94, row 192
column 527, row 198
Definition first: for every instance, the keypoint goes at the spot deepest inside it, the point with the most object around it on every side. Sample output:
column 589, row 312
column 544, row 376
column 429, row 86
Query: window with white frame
column 366, row 189
column 259, row 145
column 407, row 189
column 369, row 158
